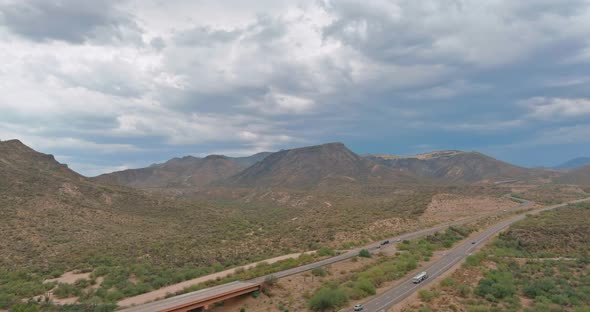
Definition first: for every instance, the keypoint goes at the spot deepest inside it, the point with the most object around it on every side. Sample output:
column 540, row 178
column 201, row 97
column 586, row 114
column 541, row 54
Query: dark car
column 384, row 242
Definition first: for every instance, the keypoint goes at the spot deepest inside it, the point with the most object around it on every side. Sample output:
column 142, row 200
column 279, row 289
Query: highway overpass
column 198, row 300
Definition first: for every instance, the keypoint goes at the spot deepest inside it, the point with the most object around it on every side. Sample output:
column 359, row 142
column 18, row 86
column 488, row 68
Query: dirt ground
column 443, row 208
column 448, row 207
column 69, row 277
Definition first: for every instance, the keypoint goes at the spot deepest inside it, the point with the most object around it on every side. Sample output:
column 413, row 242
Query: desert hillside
column 454, row 166
column 308, row 167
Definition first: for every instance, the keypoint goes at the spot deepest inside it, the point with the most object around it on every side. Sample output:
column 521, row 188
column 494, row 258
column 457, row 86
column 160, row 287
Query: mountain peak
column 15, row 154
column 214, row 157
column 307, row 167
column 15, row 143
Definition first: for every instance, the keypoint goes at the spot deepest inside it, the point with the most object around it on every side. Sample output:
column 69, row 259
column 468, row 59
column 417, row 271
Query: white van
column 420, row 277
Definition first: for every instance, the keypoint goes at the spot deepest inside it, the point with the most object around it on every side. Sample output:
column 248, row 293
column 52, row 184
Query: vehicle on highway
column 473, row 242
column 358, row 307
column 384, row 242
column 420, row 277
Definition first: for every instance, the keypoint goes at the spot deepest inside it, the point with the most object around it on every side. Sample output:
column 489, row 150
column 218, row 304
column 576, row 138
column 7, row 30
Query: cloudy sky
column 107, row 85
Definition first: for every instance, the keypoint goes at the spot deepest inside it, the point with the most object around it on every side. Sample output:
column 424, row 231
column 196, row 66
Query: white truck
column 420, row 277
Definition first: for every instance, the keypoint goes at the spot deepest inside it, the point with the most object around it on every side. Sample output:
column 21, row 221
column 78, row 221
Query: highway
column 173, row 303
column 347, row 255
column 387, row 299
column 375, row 246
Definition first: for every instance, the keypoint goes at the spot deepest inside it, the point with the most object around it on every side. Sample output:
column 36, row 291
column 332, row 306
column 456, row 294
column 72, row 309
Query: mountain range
column 298, row 168
column 314, row 165
column 573, row 163
column 188, row 171
column 320, row 165
column 54, row 220
column 454, row 166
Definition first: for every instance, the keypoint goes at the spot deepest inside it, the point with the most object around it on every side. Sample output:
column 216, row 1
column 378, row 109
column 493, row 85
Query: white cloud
column 71, row 21
column 277, row 103
column 253, row 76
column 91, row 170
column 493, row 126
column 568, row 81
column 556, row 108
column 448, row 90
column 42, row 142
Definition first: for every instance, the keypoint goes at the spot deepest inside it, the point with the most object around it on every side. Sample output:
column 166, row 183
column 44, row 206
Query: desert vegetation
column 366, row 281
column 133, row 241
column 540, row 264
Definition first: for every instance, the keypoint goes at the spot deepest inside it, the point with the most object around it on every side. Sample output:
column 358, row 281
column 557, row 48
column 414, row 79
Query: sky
column 106, row 85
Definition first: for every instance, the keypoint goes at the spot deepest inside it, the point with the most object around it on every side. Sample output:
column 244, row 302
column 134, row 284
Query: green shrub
column 497, row 284
column 66, row 291
column 325, row 251
column 426, row 295
column 271, row 280
column 28, row 307
column 319, row 271
column 327, row 298
column 365, row 286
column 448, row 282
column 364, row 253
column 425, row 308
column 464, row 290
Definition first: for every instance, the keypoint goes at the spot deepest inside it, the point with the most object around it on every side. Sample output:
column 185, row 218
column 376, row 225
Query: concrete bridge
column 199, row 300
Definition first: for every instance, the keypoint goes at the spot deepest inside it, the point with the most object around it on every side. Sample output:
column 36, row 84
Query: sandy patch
column 69, row 278
column 447, row 207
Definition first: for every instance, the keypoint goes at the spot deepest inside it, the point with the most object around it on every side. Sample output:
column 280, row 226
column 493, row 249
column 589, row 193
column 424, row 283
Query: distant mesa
column 573, row 164
column 454, row 166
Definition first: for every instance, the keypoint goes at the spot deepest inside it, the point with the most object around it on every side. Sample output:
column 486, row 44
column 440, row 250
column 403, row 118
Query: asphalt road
column 349, row 254
column 188, row 298
column 386, row 300
column 375, row 246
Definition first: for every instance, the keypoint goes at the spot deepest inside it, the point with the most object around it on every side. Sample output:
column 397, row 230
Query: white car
column 358, row 307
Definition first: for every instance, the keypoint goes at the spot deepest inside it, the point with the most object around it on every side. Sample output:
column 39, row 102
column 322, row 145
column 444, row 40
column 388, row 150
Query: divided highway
column 347, row 255
column 386, row 300
column 375, row 247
